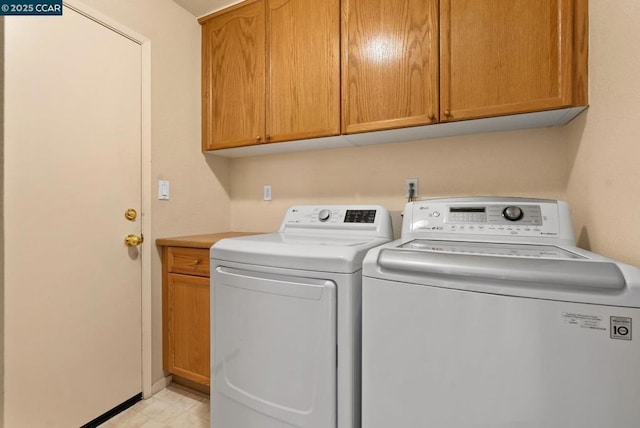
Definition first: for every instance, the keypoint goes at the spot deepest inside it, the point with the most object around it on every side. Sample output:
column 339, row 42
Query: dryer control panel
column 511, row 218
column 371, row 220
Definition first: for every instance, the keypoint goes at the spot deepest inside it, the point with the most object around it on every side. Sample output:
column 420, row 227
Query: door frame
column 145, row 217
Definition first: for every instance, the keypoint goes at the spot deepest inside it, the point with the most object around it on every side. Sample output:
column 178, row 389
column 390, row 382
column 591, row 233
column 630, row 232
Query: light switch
column 163, row 190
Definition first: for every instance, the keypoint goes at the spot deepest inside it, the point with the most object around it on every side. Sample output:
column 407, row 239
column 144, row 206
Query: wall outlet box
column 409, row 184
column 266, row 192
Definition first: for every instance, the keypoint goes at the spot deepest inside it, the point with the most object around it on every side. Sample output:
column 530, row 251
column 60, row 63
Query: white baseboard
column 160, row 385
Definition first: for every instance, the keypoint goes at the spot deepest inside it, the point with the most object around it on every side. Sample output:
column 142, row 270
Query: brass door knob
column 133, row 240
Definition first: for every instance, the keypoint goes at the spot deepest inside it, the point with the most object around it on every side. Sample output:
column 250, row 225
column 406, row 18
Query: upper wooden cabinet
column 271, row 72
column 389, row 64
column 279, row 70
column 303, row 85
column 503, row 57
column 233, row 77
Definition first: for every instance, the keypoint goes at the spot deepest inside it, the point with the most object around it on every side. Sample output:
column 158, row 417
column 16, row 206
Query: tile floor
column 173, row 407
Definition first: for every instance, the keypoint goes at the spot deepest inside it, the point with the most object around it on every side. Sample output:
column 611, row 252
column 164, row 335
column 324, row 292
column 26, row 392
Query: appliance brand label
column 620, row 328
column 591, row 322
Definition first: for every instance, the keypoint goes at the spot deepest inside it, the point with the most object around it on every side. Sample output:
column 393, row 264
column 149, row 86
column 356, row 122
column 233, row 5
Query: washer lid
column 564, row 273
column 563, row 270
column 323, row 253
column 492, row 249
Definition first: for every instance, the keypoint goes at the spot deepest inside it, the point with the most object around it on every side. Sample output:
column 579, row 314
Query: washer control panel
column 494, row 214
column 514, row 217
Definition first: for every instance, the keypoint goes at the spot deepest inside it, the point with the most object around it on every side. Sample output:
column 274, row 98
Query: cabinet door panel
column 233, row 59
column 504, row 57
column 303, row 82
column 188, row 327
column 390, row 64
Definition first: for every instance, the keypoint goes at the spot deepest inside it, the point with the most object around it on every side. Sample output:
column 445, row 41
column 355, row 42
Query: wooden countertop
column 199, row 241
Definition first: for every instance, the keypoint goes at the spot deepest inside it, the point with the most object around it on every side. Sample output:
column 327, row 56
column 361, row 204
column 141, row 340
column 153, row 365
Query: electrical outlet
column 409, row 182
column 266, row 192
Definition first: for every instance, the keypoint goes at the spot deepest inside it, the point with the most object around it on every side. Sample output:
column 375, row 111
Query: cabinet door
column 389, row 64
column 188, row 327
column 510, row 56
column 233, row 84
column 303, row 82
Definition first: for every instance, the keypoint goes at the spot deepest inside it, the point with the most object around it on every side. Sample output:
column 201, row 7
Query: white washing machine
column 486, row 315
column 285, row 320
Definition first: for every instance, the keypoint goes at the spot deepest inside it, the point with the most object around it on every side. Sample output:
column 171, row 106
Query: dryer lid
column 322, row 253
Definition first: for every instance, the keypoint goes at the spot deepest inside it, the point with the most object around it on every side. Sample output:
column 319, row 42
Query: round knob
column 432, row 116
column 324, row 215
column 258, row 138
column 133, row 240
column 447, row 113
column 512, row 213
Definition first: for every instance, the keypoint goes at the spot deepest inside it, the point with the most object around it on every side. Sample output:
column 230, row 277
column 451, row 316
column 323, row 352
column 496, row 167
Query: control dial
column 513, row 213
column 324, row 215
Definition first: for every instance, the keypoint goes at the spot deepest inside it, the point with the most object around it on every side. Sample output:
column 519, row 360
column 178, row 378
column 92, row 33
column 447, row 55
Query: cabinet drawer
column 190, row 261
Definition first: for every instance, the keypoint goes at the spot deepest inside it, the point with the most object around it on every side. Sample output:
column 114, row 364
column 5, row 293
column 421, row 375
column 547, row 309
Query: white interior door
column 72, row 169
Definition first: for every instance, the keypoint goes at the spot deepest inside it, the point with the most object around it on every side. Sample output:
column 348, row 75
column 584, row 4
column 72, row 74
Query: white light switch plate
column 163, row 190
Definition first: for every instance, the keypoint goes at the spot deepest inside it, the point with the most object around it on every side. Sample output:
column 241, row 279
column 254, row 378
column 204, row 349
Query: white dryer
column 285, row 319
column 486, row 315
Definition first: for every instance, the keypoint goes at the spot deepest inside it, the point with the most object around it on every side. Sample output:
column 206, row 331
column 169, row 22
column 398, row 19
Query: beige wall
column 199, row 201
column 519, row 163
column 603, row 146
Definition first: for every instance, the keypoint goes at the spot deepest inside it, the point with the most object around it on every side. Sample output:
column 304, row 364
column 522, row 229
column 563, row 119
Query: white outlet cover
column 266, row 192
column 415, row 187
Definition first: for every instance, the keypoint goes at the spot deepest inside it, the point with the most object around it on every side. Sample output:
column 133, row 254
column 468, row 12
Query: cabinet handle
column 268, row 137
column 447, row 113
column 197, row 262
column 258, row 138
column 432, row 116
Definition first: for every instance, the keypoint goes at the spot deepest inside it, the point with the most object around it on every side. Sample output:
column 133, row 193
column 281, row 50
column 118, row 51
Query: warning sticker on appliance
column 620, row 328
column 591, row 322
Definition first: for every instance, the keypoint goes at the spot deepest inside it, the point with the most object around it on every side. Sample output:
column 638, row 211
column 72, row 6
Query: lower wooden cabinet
column 186, row 339
column 185, row 305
